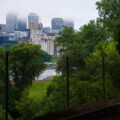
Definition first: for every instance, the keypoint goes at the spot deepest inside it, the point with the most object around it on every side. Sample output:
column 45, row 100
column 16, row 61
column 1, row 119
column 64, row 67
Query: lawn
column 38, row 89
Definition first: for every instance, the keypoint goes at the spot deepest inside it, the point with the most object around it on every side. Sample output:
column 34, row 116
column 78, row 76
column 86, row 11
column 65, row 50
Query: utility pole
column 6, row 86
column 67, row 66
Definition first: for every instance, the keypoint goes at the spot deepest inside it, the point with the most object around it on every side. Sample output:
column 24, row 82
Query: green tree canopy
column 112, row 63
column 6, row 46
column 78, row 45
column 2, row 64
column 47, row 57
column 109, row 10
column 109, row 15
column 26, row 62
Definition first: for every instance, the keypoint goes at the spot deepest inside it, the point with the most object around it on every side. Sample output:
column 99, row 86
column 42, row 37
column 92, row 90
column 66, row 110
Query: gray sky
column 80, row 11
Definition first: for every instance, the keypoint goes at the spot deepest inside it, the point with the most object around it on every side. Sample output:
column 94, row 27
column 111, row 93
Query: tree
column 47, row 57
column 6, row 46
column 2, row 76
column 91, row 34
column 67, row 44
column 2, row 64
column 78, row 45
column 14, row 95
column 26, row 62
column 112, row 64
column 109, row 15
column 2, row 93
column 65, row 38
column 80, row 93
column 56, row 92
column 2, row 114
column 109, row 10
column 28, row 107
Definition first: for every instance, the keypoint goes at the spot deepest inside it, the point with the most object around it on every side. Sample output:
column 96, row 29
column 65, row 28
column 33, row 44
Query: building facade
column 11, row 21
column 57, row 24
column 46, row 30
column 69, row 23
column 5, row 28
column 6, row 39
column 22, row 25
column 37, row 36
column 33, row 20
column 21, row 34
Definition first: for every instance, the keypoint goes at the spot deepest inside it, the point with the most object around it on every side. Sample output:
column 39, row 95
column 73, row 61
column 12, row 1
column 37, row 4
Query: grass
column 38, row 89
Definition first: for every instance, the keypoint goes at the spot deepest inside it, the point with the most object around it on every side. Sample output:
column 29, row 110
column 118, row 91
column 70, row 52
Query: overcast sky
column 80, row 11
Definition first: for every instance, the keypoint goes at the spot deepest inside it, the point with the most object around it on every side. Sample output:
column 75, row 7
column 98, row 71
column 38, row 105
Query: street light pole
column 6, row 86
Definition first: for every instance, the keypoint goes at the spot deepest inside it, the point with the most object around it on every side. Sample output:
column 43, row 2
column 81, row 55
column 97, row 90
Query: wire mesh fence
column 79, row 81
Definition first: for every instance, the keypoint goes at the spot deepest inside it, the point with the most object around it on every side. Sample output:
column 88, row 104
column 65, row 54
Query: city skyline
column 78, row 11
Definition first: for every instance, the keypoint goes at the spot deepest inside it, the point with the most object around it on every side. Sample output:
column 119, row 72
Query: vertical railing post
column 67, row 66
column 6, row 86
column 103, row 72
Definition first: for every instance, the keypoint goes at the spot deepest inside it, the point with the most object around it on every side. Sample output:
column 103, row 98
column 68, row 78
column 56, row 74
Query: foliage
column 14, row 95
column 85, row 91
column 78, row 45
column 91, row 34
column 26, row 63
column 82, row 89
column 85, row 50
column 109, row 10
column 2, row 78
column 109, row 15
column 80, row 92
column 28, row 107
column 65, row 38
column 112, row 63
column 56, row 96
column 47, row 57
column 6, row 46
column 2, row 114
column 2, row 64
column 2, row 92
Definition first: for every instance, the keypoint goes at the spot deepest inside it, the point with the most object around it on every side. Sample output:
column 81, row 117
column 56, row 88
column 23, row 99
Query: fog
column 79, row 11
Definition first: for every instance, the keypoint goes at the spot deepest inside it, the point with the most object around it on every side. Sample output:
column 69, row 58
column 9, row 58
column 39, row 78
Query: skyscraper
column 57, row 23
column 11, row 20
column 33, row 20
column 21, row 25
column 69, row 23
